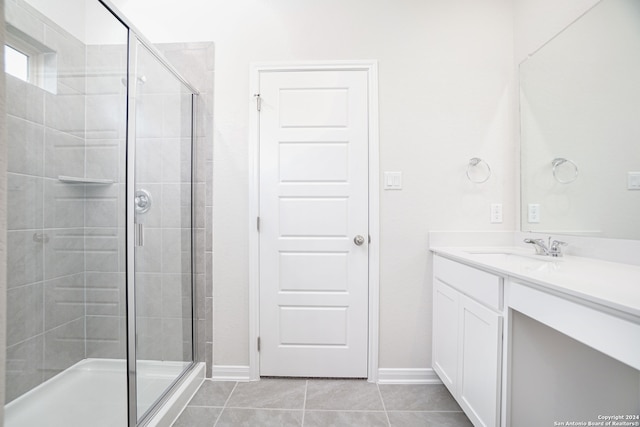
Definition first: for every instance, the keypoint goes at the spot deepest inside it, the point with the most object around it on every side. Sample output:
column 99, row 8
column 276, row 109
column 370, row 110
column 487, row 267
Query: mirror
column 580, row 127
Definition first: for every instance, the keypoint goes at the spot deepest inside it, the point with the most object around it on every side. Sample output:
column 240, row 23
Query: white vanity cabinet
column 467, row 337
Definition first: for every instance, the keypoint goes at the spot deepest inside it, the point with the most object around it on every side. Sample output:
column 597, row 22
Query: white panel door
column 313, row 203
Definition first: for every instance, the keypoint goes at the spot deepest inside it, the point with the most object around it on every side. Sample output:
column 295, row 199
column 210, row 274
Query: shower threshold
column 93, row 392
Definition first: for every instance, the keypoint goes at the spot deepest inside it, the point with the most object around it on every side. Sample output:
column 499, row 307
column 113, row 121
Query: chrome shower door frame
column 134, row 38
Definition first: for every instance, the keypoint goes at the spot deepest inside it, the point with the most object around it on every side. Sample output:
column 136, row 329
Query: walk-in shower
column 100, row 317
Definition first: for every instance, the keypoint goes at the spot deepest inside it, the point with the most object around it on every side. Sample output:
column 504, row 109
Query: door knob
column 358, row 240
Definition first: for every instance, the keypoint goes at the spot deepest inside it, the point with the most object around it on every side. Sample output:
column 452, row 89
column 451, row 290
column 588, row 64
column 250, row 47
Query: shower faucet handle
column 142, row 201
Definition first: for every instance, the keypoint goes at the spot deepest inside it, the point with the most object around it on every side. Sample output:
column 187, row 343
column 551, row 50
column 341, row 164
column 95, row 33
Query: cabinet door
column 480, row 362
column 445, row 333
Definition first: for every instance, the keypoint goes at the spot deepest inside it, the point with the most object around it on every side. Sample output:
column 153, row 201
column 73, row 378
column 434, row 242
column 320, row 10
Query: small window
column 16, row 63
column 29, row 60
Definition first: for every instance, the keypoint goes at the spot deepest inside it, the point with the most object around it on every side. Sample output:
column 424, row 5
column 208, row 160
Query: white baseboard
column 230, row 373
column 385, row 375
column 407, row 376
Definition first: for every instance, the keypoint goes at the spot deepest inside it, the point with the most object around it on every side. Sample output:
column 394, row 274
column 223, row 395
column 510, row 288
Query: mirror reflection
column 580, row 127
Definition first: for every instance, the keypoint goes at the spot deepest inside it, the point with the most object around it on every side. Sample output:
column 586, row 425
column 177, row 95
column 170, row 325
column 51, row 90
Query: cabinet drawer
column 484, row 287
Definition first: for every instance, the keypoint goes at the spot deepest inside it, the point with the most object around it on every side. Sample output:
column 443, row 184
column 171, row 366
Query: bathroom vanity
column 527, row 340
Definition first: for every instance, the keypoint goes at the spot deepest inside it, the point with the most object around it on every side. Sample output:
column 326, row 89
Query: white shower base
column 93, row 392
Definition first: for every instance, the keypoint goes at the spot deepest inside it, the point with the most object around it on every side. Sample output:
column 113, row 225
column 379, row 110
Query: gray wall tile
column 25, row 259
column 25, row 146
column 101, row 206
column 27, row 100
column 102, row 157
column 64, row 300
column 149, row 338
column 71, row 58
column 104, row 291
column 103, row 248
column 24, row 202
column 149, row 294
column 63, row 204
column 149, row 154
column 64, row 154
column 105, row 116
column 149, row 110
column 65, row 113
column 105, row 337
column 24, row 367
column 64, row 253
column 149, row 257
column 24, row 313
column 175, row 332
column 171, row 165
column 64, row 346
column 176, row 296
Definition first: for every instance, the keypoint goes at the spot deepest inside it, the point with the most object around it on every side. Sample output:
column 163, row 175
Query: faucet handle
column 555, row 249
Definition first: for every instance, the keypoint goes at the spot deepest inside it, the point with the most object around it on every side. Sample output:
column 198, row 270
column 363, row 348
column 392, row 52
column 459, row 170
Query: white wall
column 446, row 94
column 69, row 14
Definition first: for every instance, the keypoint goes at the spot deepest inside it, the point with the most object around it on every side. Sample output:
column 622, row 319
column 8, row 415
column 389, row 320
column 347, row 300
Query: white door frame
column 371, row 67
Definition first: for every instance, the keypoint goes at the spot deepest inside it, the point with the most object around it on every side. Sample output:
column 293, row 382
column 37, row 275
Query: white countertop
column 612, row 285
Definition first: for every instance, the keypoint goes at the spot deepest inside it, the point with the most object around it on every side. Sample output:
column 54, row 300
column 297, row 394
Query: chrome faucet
column 553, row 248
column 539, row 245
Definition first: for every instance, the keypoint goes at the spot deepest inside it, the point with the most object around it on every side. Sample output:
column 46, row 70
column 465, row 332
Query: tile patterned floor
column 319, row 402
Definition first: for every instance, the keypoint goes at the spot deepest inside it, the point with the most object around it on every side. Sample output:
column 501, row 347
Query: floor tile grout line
column 304, row 402
column 428, row 411
column 346, row 410
column 384, row 407
column 225, row 404
column 247, row 408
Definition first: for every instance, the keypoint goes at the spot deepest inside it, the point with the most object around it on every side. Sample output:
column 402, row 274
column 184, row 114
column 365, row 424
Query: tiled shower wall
column 66, row 288
column 105, row 239
column 46, row 218
column 195, row 61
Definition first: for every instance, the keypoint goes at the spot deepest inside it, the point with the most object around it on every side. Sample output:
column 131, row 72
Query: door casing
column 371, row 67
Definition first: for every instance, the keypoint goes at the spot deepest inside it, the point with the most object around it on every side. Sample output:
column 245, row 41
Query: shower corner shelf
column 80, row 180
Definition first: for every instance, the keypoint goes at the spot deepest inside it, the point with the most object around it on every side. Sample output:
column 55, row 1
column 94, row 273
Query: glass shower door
column 163, row 222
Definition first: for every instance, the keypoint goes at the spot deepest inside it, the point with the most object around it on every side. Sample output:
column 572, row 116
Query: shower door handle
column 139, row 237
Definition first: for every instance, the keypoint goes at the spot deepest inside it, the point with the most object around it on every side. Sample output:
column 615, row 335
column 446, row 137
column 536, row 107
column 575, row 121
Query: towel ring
column 559, row 161
column 473, row 163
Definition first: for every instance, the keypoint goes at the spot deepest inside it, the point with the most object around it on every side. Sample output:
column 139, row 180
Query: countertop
column 613, row 285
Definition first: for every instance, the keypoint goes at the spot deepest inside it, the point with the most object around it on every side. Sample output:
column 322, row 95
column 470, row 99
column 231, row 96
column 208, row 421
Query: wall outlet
column 534, row 213
column 496, row 213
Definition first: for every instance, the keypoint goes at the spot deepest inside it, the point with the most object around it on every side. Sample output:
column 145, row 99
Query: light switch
column 496, row 213
column 633, row 180
column 534, row 213
column 392, row 181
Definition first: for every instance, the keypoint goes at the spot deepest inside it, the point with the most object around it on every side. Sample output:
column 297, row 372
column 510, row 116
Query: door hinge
column 258, row 343
column 258, row 223
column 258, row 101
